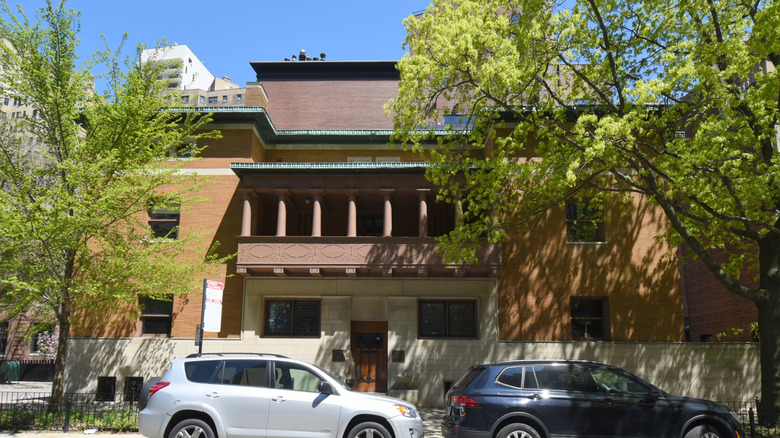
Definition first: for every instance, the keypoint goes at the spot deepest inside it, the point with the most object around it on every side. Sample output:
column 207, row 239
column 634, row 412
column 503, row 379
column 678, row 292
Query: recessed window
column 106, row 388
column 224, row 99
column 213, row 99
column 448, row 318
column 294, row 318
column 584, row 223
column 164, row 222
column 590, row 318
column 133, row 386
column 42, row 341
column 3, row 337
column 156, row 316
column 238, row 97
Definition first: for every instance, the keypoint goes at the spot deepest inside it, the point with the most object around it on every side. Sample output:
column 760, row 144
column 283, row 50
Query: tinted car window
column 469, row 377
column 201, row 371
column 555, row 377
column 245, row 372
column 611, row 381
column 511, row 376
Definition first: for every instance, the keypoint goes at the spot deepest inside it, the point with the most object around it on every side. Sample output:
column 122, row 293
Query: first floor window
column 448, row 318
column 156, row 316
column 3, row 337
column 39, row 344
column 295, row 318
column 589, row 318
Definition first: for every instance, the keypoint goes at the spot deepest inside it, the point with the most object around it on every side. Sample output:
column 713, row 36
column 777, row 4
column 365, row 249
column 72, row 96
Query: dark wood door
column 369, row 349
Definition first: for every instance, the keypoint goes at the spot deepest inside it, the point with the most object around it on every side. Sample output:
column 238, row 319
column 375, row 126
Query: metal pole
column 199, row 333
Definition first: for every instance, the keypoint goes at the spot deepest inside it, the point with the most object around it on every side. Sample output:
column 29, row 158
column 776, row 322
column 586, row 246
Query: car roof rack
column 237, row 354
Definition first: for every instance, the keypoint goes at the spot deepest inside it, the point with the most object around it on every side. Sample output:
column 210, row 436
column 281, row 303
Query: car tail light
column 157, row 386
column 462, row 401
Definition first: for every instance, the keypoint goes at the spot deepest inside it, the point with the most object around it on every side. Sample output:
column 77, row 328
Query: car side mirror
column 325, row 388
column 350, row 383
column 652, row 396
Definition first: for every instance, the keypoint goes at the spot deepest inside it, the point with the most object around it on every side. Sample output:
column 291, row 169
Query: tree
column 74, row 200
column 675, row 101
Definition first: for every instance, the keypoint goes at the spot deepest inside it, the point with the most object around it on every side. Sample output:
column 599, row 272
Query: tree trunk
column 58, row 382
column 768, row 304
column 769, row 344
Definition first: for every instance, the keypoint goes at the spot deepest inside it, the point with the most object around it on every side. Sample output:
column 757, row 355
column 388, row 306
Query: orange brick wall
column 542, row 272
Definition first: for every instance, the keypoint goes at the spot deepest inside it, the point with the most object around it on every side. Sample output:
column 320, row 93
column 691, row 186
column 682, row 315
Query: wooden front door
column 369, row 349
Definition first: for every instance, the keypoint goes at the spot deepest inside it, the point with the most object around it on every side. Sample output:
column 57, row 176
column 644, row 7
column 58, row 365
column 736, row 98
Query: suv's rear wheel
column 703, row 431
column 518, row 430
column 191, row 428
column 369, row 429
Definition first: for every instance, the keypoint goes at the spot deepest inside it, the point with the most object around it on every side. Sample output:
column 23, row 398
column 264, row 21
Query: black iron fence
column 34, row 411
column 747, row 413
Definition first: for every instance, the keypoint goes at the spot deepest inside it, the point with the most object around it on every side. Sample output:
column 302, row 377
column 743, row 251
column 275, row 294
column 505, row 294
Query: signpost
column 211, row 311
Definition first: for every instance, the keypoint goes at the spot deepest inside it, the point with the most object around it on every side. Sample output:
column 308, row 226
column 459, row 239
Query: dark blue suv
column 544, row 398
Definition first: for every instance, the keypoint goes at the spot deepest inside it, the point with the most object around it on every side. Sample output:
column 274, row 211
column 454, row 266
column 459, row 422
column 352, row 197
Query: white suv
column 265, row 395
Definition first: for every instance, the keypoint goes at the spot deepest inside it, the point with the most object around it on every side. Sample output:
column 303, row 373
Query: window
column 133, row 386
column 250, row 372
column 448, row 318
column 614, row 382
column 589, row 319
column 106, row 388
column 297, row 318
column 583, row 223
column 558, row 377
column 39, row 344
column 185, row 99
column 238, row 97
column 3, row 337
column 202, row 99
column 201, row 371
column 224, row 99
column 164, row 222
column 156, row 316
column 295, row 377
column 213, row 99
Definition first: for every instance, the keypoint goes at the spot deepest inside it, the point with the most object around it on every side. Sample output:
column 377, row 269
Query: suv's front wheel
column 369, row 429
column 518, row 430
column 191, row 428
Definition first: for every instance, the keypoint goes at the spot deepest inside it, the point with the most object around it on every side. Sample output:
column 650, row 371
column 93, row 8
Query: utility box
column 10, row 370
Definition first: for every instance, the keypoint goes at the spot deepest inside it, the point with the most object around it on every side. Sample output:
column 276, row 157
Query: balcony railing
column 358, row 257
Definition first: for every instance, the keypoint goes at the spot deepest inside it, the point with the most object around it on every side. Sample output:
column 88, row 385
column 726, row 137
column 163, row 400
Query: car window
column 511, row 376
column 245, row 372
column 201, row 371
column 613, row 381
column 295, row 377
column 557, row 377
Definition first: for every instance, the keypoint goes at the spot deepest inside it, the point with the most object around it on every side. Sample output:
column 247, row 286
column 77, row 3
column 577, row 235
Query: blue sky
column 226, row 35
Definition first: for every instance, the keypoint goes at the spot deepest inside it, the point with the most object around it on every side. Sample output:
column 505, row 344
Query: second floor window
column 213, row 99
column 584, row 223
column 164, row 222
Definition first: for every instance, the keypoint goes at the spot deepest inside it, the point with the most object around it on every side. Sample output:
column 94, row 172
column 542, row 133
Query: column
column 422, row 229
column 387, row 230
column 281, row 216
column 316, row 216
column 246, row 215
column 352, row 216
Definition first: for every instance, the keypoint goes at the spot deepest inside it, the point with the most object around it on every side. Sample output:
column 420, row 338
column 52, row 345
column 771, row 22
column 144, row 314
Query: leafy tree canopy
column 79, row 169
column 675, row 101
